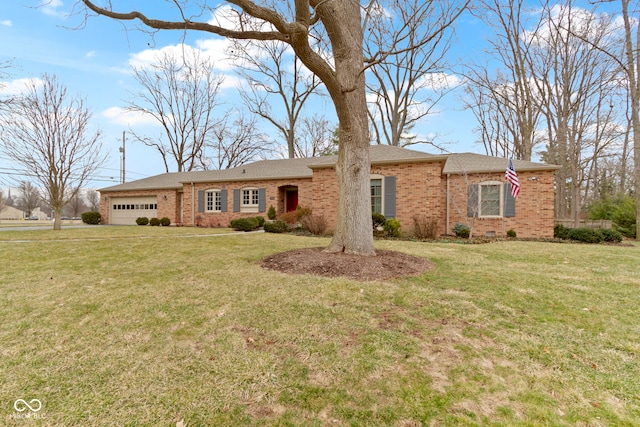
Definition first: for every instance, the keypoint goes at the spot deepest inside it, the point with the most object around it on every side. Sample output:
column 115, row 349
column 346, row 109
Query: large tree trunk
column 632, row 69
column 636, row 159
column 57, row 220
column 354, row 229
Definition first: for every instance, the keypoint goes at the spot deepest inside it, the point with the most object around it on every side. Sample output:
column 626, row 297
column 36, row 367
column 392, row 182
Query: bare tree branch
column 180, row 94
column 49, row 134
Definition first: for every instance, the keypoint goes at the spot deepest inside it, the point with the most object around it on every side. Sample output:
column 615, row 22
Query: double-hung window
column 490, row 200
column 250, row 200
column 376, row 195
column 213, row 201
column 383, row 195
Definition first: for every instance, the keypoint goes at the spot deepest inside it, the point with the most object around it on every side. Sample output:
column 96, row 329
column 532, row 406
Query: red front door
column 291, row 200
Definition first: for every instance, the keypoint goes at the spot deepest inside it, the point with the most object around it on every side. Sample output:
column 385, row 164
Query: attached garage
column 125, row 210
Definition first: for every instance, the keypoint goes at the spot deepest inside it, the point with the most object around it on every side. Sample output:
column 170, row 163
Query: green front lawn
column 153, row 326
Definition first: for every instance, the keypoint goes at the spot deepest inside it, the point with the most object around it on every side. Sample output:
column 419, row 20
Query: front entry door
column 291, row 202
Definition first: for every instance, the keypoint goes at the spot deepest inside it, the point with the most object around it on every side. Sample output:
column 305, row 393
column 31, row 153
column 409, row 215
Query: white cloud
column 123, row 117
column 216, row 49
column 90, row 54
column 212, row 49
column 226, row 17
column 581, row 21
column 6, row 23
column 232, row 82
column 50, row 7
column 16, row 87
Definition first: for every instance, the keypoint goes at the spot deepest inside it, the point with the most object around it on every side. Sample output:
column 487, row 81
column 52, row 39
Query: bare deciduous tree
column 316, row 138
column 504, row 101
column 180, row 92
column 631, row 67
column 234, row 142
column 76, row 206
column 30, row 197
column 628, row 59
column 4, row 73
column 574, row 81
column 552, row 86
column 407, row 83
column 3, row 203
column 92, row 199
column 279, row 86
column 49, row 134
column 300, row 23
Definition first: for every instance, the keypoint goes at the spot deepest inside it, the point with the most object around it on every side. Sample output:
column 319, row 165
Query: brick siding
column 534, row 206
column 274, row 197
column 421, row 191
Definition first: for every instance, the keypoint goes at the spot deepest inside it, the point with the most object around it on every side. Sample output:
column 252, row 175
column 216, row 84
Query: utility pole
column 123, row 158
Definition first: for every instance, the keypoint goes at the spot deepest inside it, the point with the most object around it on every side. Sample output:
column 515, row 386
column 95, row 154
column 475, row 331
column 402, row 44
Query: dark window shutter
column 389, row 197
column 509, row 202
column 223, row 200
column 472, row 200
column 236, row 200
column 262, row 199
column 200, row 200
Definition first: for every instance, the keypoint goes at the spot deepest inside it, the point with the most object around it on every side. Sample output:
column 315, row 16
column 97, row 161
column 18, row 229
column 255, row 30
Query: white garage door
column 125, row 210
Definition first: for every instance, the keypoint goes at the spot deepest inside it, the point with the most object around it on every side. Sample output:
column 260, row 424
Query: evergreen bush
column 620, row 210
column 154, row 222
column 586, row 235
column 462, row 230
column 143, row 220
column 164, row 221
column 271, row 213
column 276, row 226
column 392, row 227
column 611, row 236
column 244, row 224
column 92, row 218
column 560, row 232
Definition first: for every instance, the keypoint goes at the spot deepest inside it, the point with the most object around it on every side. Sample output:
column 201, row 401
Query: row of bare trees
column 29, row 198
column 562, row 80
column 407, row 43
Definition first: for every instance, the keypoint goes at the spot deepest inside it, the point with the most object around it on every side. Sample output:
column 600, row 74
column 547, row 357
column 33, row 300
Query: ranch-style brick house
column 453, row 188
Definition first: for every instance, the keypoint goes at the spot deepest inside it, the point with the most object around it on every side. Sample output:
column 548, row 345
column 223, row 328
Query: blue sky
column 93, row 62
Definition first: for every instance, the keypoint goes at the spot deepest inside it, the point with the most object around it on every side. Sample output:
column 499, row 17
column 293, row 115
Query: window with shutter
column 491, row 199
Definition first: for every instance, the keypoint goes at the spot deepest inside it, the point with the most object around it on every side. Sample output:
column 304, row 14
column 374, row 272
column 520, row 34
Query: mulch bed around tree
column 384, row 265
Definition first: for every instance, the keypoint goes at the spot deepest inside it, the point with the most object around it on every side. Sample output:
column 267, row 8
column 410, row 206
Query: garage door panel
column 125, row 210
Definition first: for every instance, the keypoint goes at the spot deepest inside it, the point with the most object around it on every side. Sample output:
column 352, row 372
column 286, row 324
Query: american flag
column 512, row 177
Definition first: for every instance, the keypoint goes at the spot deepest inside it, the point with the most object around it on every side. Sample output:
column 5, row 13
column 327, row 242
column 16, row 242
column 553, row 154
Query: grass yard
column 149, row 326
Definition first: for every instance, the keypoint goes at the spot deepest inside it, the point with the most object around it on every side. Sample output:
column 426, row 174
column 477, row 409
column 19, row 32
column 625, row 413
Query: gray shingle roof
column 170, row 180
column 479, row 163
column 381, row 154
column 301, row 168
column 262, row 169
